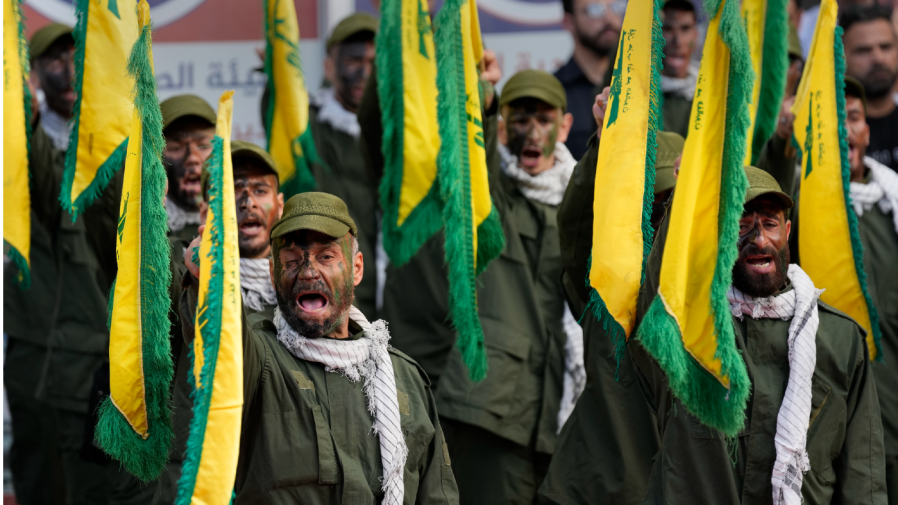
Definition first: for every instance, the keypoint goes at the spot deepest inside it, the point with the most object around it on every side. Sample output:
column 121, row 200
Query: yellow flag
column 16, row 128
column 210, row 465
column 407, row 91
column 688, row 328
column 473, row 229
column 287, row 118
column 625, row 173
column 828, row 222
column 766, row 22
column 134, row 425
column 104, row 35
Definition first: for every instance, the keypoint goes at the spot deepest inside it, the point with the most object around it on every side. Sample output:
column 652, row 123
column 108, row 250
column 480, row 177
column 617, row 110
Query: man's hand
column 192, row 267
column 598, row 109
column 784, row 123
column 490, row 74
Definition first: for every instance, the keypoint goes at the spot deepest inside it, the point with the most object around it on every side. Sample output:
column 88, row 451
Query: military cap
column 241, row 148
column 853, row 87
column 321, row 212
column 761, row 183
column 794, row 43
column 42, row 39
column 179, row 106
column 670, row 146
column 350, row 25
column 532, row 83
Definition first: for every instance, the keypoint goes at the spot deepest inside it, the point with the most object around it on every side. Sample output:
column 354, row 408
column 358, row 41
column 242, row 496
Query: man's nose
column 309, row 272
column 193, row 155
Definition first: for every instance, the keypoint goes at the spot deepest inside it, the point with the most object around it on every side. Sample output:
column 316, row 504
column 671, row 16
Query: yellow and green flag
column 625, row 173
column 134, row 421
column 104, row 34
column 473, row 228
column 688, row 328
column 287, row 119
column 407, row 91
column 828, row 222
column 210, row 465
column 16, row 132
column 766, row 23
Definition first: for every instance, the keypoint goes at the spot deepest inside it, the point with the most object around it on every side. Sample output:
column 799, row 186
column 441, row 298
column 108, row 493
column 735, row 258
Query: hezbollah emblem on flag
column 828, row 222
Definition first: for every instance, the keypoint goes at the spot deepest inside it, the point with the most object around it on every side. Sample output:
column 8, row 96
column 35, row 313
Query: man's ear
column 358, row 269
column 865, row 136
column 204, row 208
column 330, row 69
column 271, row 268
column 280, row 205
column 568, row 23
column 564, row 127
column 788, row 229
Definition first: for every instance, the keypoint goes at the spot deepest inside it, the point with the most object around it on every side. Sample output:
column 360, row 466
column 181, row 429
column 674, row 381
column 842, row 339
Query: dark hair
column 865, row 14
column 679, row 5
column 568, row 6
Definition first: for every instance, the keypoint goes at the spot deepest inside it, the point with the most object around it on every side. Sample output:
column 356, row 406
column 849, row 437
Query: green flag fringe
column 23, row 275
column 209, row 320
column 702, row 394
column 774, row 65
column 146, row 458
column 856, row 246
column 656, row 96
column 302, row 180
column 454, row 174
column 401, row 242
column 116, row 160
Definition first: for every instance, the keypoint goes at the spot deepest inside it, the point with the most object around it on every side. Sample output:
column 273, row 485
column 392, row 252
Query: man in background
column 595, row 27
column 680, row 72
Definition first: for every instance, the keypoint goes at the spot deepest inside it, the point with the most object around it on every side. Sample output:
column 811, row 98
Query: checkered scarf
column 545, row 187
column 882, row 190
column 800, row 305
column 178, row 218
column 366, row 358
column 255, row 282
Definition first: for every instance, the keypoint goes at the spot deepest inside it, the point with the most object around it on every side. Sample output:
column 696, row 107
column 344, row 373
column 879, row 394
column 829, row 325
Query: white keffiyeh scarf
column 368, row 359
column 255, row 282
column 56, row 127
column 331, row 112
column 545, row 187
column 178, row 218
column 574, row 369
column 685, row 87
column 800, row 305
column 882, row 190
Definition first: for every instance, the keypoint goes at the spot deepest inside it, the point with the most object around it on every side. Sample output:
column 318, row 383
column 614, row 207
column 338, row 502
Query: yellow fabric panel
column 105, row 89
column 690, row 254
column 16, row 189
column 481, row 204
column 822, row 207
column 421, row 135
column 754, row 13
column 126, row 378
column 616, row 268
column 290, row 115
column 218, row 463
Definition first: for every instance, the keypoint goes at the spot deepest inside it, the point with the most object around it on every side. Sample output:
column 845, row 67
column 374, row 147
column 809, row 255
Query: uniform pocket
column 507, row 354
column 298, row 449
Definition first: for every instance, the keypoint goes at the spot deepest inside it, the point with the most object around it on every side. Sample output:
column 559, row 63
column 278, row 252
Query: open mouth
column 251, row 226
column 530, row 156
column 311, row 302
column 852, row 150
column 761, row 263
column 191, row 183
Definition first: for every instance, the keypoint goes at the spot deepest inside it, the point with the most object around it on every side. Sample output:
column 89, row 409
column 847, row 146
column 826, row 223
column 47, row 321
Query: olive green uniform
column 501, row 431
column 676, row 110
column 344, row 174
column 65, row 314
column 306, row 433
column 605, row 449
column 695, row 464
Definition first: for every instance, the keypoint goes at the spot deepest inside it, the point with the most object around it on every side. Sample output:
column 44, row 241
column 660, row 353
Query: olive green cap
column 761, row 183
column 350, row 25
column 42, row 39
column 670, row 146
column 794, row 42
column 179, row 106
column 853, row 87
column 241, row 148
column 321, row 212
column 532, row 83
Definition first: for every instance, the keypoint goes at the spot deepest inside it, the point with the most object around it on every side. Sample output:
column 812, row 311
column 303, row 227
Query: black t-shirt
column 884, row 139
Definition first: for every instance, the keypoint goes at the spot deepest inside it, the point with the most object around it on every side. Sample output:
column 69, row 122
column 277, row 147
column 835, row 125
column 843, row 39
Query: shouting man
column 303, row 380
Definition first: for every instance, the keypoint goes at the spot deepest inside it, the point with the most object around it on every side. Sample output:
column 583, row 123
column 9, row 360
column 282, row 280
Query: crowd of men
column 558, row 419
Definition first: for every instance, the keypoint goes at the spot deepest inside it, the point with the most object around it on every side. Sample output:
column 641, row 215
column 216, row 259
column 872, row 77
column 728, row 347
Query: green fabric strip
column 774, row 65
column 856, row 246
column 146, row 458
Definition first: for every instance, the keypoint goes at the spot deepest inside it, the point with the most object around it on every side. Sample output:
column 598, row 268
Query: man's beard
column 595, row 45
column 175, row 171
column 54, row 85
column 878, row 87
column 313, row 329
column 761, row 285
